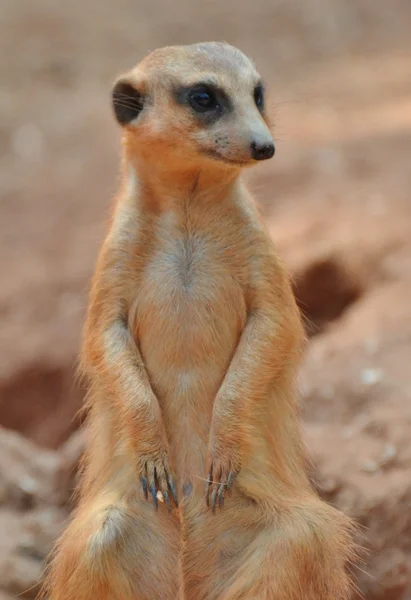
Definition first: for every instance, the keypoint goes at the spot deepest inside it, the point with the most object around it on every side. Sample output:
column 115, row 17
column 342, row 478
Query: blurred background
column 337, row 201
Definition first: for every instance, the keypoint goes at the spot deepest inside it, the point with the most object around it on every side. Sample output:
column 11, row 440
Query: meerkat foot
column 219, row 483
column 156, row 476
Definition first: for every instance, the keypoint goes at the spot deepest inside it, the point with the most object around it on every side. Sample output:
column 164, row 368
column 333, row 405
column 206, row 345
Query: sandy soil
column 337, row 201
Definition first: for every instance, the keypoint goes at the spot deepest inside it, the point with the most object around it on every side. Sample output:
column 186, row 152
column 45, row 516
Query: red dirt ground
column 337, row 201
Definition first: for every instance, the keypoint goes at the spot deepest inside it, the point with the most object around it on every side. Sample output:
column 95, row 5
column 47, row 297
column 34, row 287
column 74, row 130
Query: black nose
column 262, row 151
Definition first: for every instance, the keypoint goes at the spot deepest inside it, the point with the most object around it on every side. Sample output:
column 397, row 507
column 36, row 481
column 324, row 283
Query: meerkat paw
column 223, row 468
column 156, row 476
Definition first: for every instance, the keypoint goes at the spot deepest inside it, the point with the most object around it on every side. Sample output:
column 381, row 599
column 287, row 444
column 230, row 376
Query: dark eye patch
column 205, row 99
column 259, row 96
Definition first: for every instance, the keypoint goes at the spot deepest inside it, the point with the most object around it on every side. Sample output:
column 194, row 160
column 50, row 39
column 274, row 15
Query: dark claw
column 145, row 488
column 213, row 499
column 230, row 481
column 167, row 500
column 208, row 485
column 221, row 495
column 154, row 496
column 173, row 489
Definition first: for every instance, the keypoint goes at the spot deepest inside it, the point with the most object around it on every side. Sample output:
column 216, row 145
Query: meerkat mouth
column 219, row 157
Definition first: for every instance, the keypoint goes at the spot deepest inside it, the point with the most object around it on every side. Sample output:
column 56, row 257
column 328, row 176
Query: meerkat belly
column 190, row 315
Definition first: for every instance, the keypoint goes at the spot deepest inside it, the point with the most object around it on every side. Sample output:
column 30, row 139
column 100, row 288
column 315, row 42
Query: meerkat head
column 190, row 104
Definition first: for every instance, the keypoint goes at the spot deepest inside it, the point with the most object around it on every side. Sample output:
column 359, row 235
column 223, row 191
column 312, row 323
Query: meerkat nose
column 262, row 151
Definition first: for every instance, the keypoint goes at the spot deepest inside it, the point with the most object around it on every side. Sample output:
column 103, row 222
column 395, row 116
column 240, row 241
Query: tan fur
column 191, row 347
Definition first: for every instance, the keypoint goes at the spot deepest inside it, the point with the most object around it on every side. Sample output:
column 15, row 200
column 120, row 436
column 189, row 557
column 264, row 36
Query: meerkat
column 191, row 346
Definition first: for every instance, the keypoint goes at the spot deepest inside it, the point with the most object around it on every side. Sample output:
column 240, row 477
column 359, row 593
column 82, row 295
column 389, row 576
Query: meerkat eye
column 259, row 96
column 202, row 99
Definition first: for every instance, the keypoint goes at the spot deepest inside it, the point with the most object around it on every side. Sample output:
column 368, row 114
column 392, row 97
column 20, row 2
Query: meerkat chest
column 191, row 305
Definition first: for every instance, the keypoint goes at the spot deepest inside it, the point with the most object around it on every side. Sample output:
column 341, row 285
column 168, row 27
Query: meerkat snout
column 193, row 105
column 262, row 151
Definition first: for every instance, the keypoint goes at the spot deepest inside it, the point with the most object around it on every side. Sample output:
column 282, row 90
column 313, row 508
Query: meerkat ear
column 127, row 101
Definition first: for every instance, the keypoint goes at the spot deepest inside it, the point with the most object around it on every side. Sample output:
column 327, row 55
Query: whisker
column 128, row 98
column 128, row 102
column 122, row 105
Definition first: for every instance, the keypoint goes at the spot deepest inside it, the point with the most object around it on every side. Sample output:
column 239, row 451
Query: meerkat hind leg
column 294, row 554
column 118, row 551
